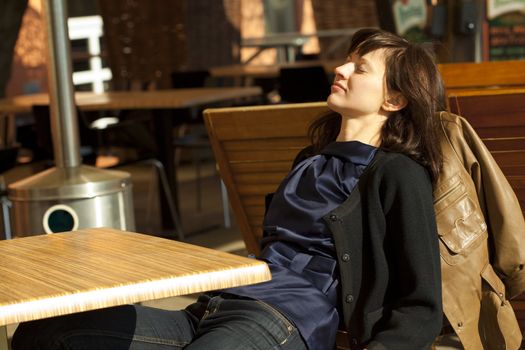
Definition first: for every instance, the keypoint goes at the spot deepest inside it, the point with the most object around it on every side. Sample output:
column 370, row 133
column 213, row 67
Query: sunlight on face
column 359, row 86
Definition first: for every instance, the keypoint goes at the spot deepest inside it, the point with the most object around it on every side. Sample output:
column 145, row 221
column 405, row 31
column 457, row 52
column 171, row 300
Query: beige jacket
column 482, row 241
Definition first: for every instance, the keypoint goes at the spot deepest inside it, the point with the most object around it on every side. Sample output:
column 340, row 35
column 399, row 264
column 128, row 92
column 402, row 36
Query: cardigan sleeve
column 414, row 315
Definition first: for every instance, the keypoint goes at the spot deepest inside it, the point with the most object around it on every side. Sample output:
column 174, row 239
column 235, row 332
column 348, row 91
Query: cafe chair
column 197, row 143
column 189, row 79
column 303, row 84
column 137, row 126
column 191, row 135
column 188, row 134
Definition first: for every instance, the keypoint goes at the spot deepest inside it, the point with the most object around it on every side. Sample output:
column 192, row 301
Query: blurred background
column 149, row 40
column 278, row 46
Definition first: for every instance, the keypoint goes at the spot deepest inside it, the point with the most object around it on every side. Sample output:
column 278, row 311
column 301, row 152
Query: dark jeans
column 227, row 323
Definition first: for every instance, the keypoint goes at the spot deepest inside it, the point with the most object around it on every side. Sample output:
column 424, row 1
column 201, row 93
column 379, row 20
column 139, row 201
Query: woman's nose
column 345, row 70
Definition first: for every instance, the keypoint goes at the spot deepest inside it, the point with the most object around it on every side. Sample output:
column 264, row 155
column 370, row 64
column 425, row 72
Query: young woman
column 350, row 235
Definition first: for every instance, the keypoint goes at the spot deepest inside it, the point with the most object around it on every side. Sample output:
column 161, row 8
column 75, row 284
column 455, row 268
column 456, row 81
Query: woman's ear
column 394, row 103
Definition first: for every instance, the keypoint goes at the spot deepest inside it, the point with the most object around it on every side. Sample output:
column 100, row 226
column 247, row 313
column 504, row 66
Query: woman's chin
column 331, row 101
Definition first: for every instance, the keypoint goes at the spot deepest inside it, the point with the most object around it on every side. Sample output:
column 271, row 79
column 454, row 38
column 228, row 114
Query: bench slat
column 483, row 74
column 269, row 145
column 253, row 155
column 258, row 178
column 515, row 131
column 504, row 144
column 274, row 166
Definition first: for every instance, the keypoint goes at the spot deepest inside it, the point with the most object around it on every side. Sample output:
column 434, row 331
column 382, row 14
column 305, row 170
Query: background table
column 64, row 273
column 164, row 105
column 292, row 41
column 269, row 71
column 158, row 99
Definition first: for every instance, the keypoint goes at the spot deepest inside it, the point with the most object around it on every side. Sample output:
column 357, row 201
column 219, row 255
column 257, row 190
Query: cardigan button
column 333, row 217
column 349, row 298
column 345, row 257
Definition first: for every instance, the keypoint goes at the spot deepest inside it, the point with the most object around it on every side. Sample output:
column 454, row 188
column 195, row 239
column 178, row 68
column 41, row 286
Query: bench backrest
column 483, row 74
column 254, row 148
column 498, row 116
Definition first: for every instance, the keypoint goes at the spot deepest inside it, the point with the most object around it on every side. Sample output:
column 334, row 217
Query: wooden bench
column 255, row 148
column 498, row 116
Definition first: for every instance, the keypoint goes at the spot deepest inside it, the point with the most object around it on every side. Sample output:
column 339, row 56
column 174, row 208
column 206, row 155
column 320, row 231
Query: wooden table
column 163, row 103
column 290, row 41
column 269, row 71
column 158, row 99
column 63, row 273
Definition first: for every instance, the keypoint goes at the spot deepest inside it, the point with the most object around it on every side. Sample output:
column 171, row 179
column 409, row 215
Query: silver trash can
column 66, row 199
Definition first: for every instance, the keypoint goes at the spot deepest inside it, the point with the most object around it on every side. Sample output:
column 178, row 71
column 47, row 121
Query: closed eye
column 359, row 68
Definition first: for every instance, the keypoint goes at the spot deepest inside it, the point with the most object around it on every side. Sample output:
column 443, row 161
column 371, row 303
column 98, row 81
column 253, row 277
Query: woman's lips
column 337, row 87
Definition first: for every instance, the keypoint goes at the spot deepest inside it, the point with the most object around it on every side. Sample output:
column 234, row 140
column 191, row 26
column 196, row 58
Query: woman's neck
column 365, row 129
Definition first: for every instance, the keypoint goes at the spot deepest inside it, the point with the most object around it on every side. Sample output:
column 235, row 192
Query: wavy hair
column 410, row 70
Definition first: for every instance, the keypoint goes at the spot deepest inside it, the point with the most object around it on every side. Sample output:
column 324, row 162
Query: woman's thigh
column 124, row 327
column 244, row 324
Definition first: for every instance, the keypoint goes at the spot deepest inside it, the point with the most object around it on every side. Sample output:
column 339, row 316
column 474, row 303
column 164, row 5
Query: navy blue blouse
column 301, row 253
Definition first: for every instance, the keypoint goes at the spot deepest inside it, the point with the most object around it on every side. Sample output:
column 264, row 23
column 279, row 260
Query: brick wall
column 147, row 40
column 334, row 14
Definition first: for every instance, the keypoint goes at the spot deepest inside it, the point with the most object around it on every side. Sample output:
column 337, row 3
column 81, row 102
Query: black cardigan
column 387, row 248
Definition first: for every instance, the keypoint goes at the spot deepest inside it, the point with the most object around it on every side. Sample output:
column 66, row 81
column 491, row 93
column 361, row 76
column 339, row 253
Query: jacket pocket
column 461, row 226
column 498, row 326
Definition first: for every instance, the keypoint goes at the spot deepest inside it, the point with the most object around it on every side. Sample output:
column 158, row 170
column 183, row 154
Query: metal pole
column 64, row 121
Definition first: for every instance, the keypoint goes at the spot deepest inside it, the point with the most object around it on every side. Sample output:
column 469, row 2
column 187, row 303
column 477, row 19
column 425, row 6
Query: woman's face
column 359, row 87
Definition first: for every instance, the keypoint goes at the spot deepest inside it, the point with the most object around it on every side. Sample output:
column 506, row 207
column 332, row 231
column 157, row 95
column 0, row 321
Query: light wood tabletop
column 64, row 273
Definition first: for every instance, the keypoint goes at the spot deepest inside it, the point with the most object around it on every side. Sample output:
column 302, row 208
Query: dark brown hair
column 411, row 71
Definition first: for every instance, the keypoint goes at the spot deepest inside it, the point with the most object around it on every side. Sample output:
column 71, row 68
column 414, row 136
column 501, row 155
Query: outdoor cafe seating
column 200, row 109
